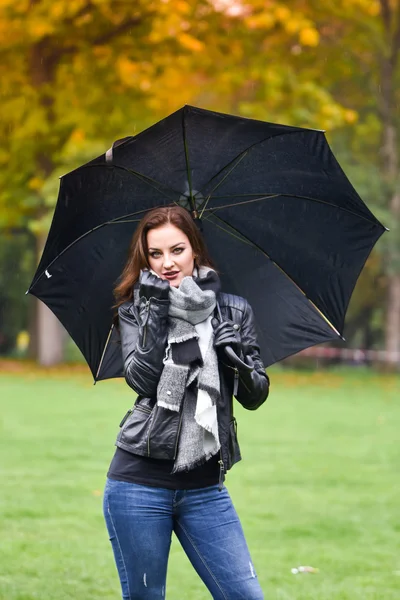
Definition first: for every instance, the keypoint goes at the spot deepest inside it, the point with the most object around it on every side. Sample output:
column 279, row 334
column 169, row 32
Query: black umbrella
column 283, row 223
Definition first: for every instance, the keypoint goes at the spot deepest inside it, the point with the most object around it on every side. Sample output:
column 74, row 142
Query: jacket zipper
column 221, row 472
column 236, row 382
column 177, row 436
column 130, row 411
column 143, row 409
column 146, row 316
column 151, row 427
column 126, row 416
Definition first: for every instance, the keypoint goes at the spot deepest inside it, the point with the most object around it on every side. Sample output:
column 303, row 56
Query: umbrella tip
column 343, row 338
column 94, row 381
column 387, row 228
column 27, row 292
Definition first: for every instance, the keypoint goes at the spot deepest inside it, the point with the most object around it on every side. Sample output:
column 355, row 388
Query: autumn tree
column 333, row 65
column 360, row 45
column 78, row 74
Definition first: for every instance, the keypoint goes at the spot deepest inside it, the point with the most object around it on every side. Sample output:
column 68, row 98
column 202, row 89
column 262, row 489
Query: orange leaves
column 373, row 8
column 35, row 183
column 280, row 17
column 37, row 28
column 127, row 70
column 190, row 42
column 263, row 20
column 182, row 7
column 77, row 136
column 350, row 116
column 106, row 68
column 282, row 13
column 309, row 36
column 370, row 7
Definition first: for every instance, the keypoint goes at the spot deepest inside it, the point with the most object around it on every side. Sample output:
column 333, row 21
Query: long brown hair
column 138, row 251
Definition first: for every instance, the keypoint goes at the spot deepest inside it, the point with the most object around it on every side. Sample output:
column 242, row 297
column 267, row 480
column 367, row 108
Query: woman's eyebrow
column 171, row 248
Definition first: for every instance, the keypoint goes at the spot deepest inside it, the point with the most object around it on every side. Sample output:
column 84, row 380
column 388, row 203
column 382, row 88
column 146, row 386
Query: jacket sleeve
column 253, row 387
column 143, row 332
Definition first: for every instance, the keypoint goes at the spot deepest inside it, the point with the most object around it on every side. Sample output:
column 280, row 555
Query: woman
column 176, row 444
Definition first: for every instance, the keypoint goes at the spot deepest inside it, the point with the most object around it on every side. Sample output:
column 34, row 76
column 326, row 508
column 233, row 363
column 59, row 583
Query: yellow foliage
column 102, row 51
column 309, row 36
column 6, row 3
column 127, row 70
column 293, row 25
column 189, row 42
column 39, row 29
column 350, row 116
column 145, row 85
column 251, row 62
column 4, row 156
column 77, row 136
column 84, row 19
column 374, row 8
column 126, row 66
column 282, row 13
column 56, row 10
column 182, row 7
column 22, row 341
column 36, row 183
column 264, row 20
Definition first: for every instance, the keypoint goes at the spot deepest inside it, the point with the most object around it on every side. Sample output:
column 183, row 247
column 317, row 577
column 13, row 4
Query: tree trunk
column 392, row 333
column 33, row 326
column 393, row 320
column 50, row 333
column 51, row 338
column 390, row 168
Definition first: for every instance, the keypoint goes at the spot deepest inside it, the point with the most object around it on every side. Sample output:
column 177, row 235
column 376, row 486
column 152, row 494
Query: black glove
column 227, row 334
column 152, row 286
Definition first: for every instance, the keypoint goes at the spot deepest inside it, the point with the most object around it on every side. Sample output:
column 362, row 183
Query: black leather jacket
column 153, row 431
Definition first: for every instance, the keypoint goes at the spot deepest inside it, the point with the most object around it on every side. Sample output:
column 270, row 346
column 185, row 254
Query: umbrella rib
column 232, row 234
column 240, row 155
column 189, row 175
column 104, row 352
column 279, row 195
column 280, row 268
column 115, row 221
column 145, row 178
column 222, row 180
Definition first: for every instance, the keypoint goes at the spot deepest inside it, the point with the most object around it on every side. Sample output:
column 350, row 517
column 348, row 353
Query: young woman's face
column 170, row 253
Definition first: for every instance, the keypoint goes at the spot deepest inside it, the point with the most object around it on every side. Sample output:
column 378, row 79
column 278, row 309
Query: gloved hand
column 227, row 334
column 152, row 286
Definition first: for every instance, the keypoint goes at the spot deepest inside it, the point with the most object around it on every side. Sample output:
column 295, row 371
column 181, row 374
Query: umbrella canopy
column 281, row 220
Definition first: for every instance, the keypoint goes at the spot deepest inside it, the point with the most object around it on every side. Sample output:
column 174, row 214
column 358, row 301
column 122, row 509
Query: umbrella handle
column 233, row 357
column 235, row 360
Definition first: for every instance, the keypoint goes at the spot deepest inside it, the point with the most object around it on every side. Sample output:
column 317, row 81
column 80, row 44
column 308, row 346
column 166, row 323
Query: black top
column 133, row 468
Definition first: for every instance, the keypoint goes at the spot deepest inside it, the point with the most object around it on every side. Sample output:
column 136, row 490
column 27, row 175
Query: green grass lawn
column 319, row 485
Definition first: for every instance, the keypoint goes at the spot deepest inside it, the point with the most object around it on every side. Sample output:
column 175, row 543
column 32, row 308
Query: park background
column 319, row 479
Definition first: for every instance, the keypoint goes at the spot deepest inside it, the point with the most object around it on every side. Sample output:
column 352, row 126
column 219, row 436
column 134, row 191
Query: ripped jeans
column 140, row 520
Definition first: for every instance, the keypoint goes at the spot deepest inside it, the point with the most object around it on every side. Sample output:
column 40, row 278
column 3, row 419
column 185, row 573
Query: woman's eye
column 158, row 254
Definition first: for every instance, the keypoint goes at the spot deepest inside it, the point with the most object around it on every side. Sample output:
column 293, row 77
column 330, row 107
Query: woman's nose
column 168, row 263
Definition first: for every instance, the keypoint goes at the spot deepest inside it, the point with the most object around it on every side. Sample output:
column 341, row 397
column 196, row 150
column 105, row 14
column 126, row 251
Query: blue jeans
column 140, row 520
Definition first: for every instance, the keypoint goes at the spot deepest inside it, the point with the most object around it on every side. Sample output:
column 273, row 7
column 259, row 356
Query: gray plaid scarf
column 191, row 361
